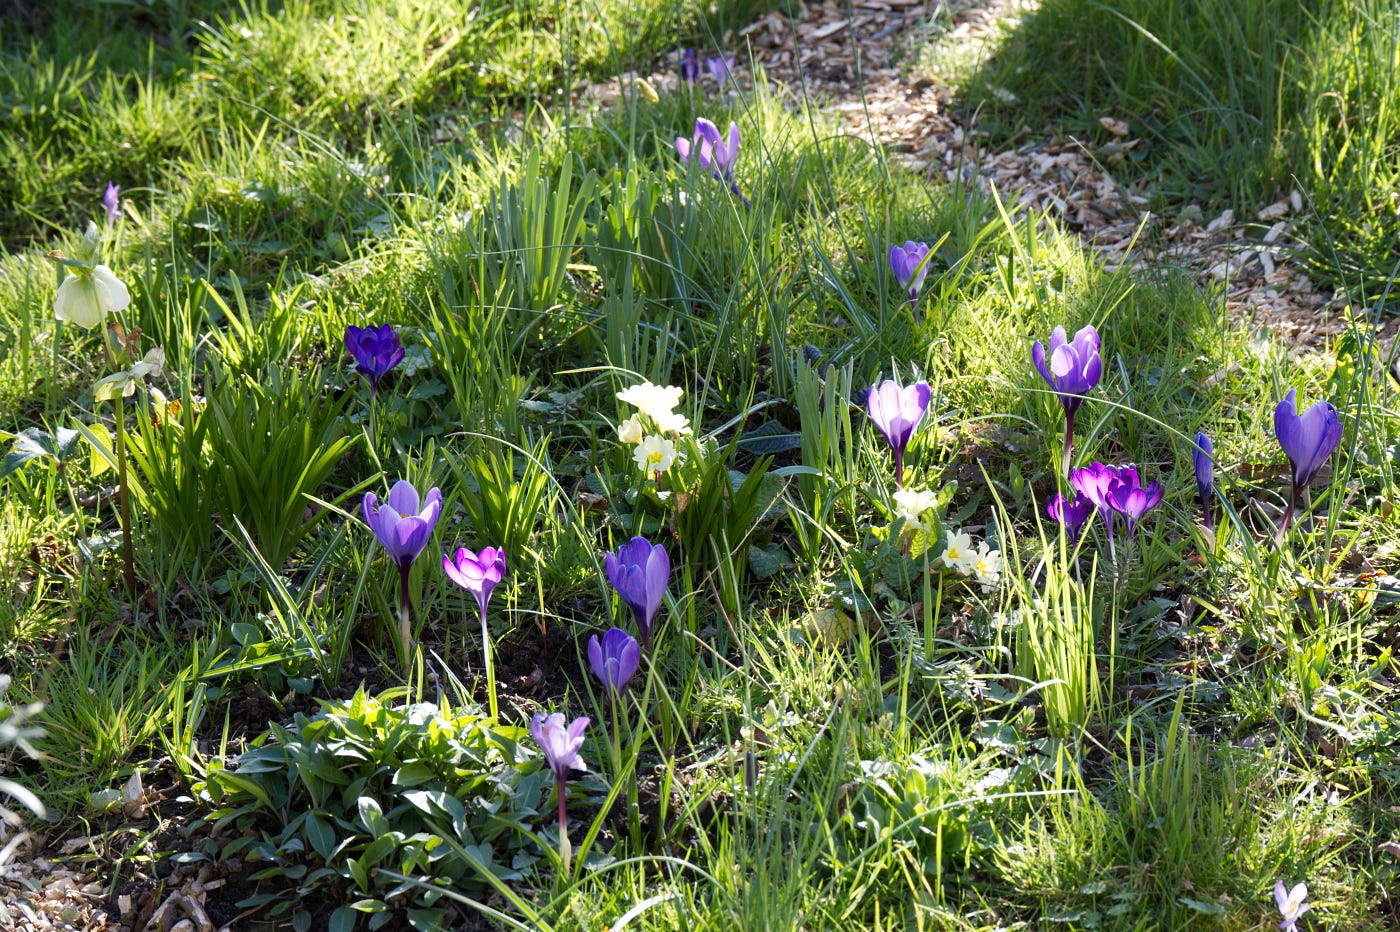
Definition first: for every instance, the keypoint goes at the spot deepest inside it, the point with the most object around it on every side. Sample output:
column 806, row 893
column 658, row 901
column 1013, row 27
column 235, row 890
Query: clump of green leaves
column 377, row 808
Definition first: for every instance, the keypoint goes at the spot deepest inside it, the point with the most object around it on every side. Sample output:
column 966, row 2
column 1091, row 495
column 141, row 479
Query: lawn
column 477, row 465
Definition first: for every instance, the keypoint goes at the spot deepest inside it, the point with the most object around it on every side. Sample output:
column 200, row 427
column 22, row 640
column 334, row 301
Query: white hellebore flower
column 85, row 297
column 152, row 364
column 986, row 566
column 630, row 430
column 912, row 505
column 958, row 554
column 655, row 454
column 657, row 403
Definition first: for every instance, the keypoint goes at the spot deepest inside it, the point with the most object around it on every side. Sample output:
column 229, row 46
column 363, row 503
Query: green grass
column 1238, row 102
column 824, row 735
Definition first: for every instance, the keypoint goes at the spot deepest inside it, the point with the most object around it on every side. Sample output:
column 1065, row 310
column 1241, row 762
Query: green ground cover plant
column 487, row 505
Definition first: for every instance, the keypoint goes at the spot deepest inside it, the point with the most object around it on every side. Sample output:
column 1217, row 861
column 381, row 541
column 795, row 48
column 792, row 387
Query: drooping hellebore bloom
column 715, row 154
column 1290, row 904
column 1072, row 369
column 376, row 350
column 897, row 412
column 88, row 295
column 639, row 571
column 1203, row 459
column 720, row 67
column 403, row 528
column 909, row 267
column 1308, row 439
column 111, row 202
column 1071, row 513
column 614, row 659
column 560, row 746
column 690, row 66
column 479, row 573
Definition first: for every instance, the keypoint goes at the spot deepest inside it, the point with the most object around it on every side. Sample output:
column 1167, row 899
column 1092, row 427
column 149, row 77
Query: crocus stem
column 1069, row 447
column 405, row 634
column 1207, row 511
column 1112, row 553
column 1288, row 513
column 899, row 468
column 490, row 666
column 565, row 850
column 124, row 500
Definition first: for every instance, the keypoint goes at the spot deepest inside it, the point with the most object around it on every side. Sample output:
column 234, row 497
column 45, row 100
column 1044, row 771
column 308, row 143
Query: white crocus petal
column 112, row 294
column 655, row 454
column 630, row 430
column 959, row 555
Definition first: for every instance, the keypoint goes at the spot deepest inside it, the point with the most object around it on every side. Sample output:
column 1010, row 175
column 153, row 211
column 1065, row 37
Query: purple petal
column 403, row 498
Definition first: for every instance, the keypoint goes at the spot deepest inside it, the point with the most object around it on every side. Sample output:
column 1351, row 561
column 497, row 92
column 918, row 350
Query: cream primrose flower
column 959, row 554
column 125, row 381
column 986, row 566
column 657, row 403
column 630, row 430
column 912, row 505
column 88, row 295
column 655, row 454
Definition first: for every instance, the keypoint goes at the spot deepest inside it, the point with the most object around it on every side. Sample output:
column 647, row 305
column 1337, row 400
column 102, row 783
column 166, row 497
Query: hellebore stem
column 490, row 666
column 124, row 500
column 405, row 633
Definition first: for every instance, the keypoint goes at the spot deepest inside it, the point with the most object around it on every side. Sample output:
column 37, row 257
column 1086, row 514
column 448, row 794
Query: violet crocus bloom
column 111, row 202
column 560, row 746
column 479, row 573
column 1308, row 439
column 1071, row 514
column 715, row 154
column 690, row 66
column 403, row 528
column 1290, row 904
column 1203, row 459
column 1092, row 482
column 909, row 267
column 376, row 350
column 1130, row 498
column 614, row 659
column 897, row 412
column 1073, row 369
column 639, row 571
column 720, row 66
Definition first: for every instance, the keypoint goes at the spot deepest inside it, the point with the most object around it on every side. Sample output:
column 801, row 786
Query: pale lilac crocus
column 910, row 266
column 720, row 67
column 897, row 411
column 111, row 202
column 1307, row 439
column 1071, row 513
column 1072, row 368
column 403, row 528
column 717, row 155
column 614, row 659
column 560, row 746
column 1290, row 904
column 1203, row 461
column 639, row 571
column 479, row 574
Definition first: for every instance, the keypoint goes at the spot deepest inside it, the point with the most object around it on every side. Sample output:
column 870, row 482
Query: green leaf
column 301, row 920
column 342, row 920
column 768, row 438
column 768, row 560
column 321, row 836
column 414, row 774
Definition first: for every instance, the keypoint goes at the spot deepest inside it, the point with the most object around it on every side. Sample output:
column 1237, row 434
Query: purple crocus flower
column 376, row 351
column 690, row 66
column 910, row 269
column 714, row 153
column 479, row 573
column 720, row 66
column 1072, row 514
column 560, row 746
column 614, row 659
column 1072, row 370
column 1291, row 905
column 1092, row 482
column 897, row 412
column 404, row 530
column 111, row 202
column 639, row 572
column 1130, row 498
column 1308, row 439
column 1203, row 459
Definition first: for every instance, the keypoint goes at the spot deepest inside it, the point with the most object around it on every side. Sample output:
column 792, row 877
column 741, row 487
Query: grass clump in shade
column 1237, row 101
